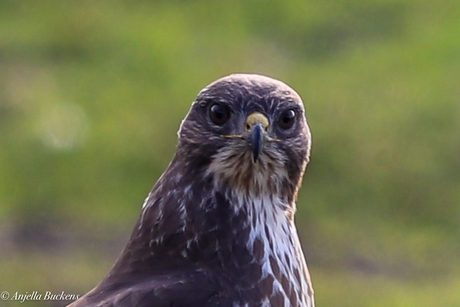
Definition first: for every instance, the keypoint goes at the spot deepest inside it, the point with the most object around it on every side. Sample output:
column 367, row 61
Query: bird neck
column 248, row 243
column 278, row 260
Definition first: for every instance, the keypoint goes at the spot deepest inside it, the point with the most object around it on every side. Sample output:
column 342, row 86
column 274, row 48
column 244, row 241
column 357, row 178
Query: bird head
column 248, row 132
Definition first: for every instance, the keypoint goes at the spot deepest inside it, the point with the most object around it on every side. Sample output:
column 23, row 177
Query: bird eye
column 287, row 119
column 219, row 114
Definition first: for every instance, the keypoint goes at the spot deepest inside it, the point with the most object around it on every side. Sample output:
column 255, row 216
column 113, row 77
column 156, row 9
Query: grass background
column 92, row 94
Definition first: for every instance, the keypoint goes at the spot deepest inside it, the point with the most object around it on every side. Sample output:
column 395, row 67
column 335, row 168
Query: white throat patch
column 274, row 228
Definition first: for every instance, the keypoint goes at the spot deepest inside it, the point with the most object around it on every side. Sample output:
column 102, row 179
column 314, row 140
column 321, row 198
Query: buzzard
column 218, row 227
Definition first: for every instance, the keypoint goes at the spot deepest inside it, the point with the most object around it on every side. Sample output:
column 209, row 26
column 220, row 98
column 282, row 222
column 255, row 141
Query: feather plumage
column 218, row 227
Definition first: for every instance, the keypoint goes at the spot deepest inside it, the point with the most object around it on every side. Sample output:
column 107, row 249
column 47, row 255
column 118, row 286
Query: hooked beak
column 256, row 127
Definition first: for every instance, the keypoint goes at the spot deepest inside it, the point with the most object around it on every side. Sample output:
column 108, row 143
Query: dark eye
column 219, row 114
column 287, row 119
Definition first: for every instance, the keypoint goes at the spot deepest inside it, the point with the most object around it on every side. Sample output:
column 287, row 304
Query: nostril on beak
column 257, row 118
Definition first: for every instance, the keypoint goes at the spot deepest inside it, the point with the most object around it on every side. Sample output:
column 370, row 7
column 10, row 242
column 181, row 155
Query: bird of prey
column 218, row 228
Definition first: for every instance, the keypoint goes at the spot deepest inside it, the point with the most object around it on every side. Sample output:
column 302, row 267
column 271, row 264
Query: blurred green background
column 93, row 92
